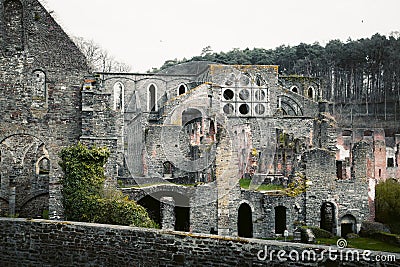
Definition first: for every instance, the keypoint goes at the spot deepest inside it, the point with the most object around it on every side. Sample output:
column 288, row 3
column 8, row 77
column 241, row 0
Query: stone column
column 167, row 213
column 11, row 201
column 16, row 172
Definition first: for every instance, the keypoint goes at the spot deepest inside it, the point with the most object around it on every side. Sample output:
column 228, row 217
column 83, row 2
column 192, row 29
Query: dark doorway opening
column 280, row 219
column 245, row 222
column 347, row 225
column 346, row 228
column 182, row 219
column 327, row 216
column 310, row 93
column 152, row 207
column 182, row 89
column 152, row 98
column 339, row 169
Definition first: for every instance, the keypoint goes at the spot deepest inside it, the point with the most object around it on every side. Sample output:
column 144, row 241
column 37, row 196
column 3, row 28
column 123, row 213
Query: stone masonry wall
column 41, row 72
column 49, row 243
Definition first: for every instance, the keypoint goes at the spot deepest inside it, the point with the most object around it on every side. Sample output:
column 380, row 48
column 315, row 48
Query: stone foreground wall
column 52, row 243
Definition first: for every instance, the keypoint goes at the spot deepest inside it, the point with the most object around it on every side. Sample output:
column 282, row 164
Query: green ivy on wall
column 84, row 196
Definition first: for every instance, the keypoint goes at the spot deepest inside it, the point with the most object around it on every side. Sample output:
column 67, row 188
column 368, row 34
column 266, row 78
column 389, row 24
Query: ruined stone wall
column 264, row 206
column 246, row 143
column 45, row 243
column 41, row 75
column 102, row 126
column 294, row 212
column 204, row 209
column 385, row 150
column 363, row 173
column 304, row 86
column 348, row 197
column 320, row 170
column 135, row 148
column 135, row 124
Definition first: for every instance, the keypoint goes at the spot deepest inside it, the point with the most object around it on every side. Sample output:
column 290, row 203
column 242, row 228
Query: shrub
column 84, row 196
column 368, row 228
column 387, row 204
column 394, row 227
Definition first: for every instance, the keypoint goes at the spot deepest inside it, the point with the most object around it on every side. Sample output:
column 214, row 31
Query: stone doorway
column 245, row 222
column 152, row 206
column 347, row 225
column 182, row 219
column 327, row 217
column 280, row 219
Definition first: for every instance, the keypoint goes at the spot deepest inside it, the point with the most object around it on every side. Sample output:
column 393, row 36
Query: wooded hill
column 359, row 76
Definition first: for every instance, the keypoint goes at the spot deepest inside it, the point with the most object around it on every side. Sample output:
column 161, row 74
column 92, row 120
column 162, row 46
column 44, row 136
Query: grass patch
column 245, row 184
column 362, row 243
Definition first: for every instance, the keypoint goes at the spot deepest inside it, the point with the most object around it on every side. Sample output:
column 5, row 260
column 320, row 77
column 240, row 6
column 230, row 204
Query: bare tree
column 97, row 58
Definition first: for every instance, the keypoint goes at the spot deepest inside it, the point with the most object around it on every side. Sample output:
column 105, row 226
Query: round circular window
column 244, row 109
column 229, row 109
column 228, row 94
column 244, row 94
column 259, row 109
column 259, row 95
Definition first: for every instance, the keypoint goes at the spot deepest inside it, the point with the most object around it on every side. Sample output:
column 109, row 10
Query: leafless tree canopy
column 98, row 59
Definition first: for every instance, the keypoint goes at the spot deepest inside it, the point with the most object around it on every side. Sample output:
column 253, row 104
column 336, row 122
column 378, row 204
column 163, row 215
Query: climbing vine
column 298, row 186
column 84, row 196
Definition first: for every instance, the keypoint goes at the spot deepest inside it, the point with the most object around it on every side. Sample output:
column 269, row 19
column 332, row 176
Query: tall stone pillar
column 16, row 172
column 167, row 213
column 11, row 201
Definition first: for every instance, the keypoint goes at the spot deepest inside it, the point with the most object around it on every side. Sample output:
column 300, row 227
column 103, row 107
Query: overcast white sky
column 146, row 33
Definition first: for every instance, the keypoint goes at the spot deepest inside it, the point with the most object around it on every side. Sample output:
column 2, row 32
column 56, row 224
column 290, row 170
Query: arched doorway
column 347, row 225
column 181, row 89
column 280, row 219
column 327, row 216
column 152, row 206
column 245, row 222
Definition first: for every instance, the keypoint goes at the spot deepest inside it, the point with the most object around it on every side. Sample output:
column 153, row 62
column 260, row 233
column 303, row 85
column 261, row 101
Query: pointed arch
column 152, row 98
column 119, row 92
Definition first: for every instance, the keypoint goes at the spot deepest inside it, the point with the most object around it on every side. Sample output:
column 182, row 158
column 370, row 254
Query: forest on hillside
column 356, row 71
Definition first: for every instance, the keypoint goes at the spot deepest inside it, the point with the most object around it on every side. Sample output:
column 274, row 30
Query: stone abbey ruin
column 181, row 139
